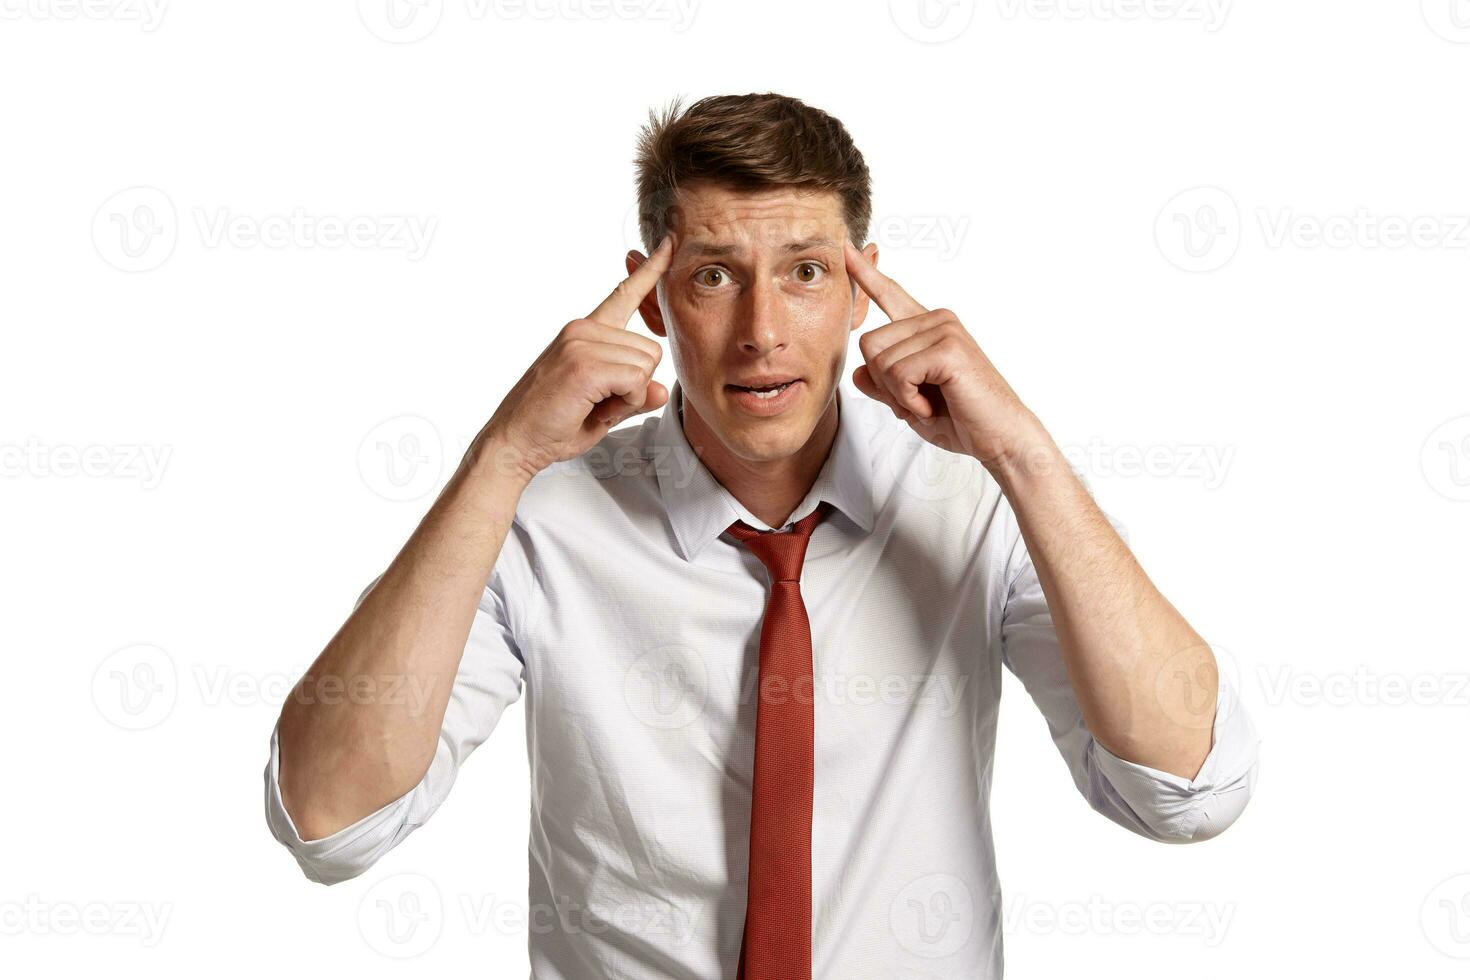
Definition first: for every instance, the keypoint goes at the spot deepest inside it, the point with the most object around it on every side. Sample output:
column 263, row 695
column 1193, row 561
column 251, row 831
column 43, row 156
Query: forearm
column 361, row 728
column 1118, row 634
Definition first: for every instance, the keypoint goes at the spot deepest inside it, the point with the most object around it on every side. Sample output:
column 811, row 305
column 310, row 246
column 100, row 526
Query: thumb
column 656, row 398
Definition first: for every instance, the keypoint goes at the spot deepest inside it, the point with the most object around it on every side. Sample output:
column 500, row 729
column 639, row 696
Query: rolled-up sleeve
column 487, row 682
column 1147, row 801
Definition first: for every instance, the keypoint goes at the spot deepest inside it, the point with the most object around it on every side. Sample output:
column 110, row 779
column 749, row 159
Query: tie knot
column 782, row 552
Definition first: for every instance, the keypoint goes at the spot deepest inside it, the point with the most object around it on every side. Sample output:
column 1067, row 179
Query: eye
column 809, row 272
column 711, row 277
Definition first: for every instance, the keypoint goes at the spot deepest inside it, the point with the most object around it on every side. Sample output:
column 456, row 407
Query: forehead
column 766, row 219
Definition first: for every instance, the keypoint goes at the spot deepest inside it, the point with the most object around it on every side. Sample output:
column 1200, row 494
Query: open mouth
column 764, row 392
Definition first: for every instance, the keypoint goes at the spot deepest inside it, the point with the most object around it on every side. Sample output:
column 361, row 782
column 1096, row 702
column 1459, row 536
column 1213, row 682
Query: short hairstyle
column 747, row 142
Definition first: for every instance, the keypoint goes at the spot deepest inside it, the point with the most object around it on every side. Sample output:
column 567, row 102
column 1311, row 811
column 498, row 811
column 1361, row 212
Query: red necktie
column 777, row 944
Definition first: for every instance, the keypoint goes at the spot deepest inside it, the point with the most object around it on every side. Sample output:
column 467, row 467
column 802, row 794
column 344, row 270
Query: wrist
column 495, row 457
column 1030, row 456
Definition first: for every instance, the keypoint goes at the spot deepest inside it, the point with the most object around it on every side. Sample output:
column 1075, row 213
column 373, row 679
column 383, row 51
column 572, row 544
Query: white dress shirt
column 630, row 622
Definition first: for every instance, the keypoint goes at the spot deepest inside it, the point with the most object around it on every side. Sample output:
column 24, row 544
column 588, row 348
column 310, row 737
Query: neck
column 770, row 489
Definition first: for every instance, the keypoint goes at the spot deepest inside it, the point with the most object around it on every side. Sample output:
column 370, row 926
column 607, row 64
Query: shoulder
column 607, row 478
column 912, row 475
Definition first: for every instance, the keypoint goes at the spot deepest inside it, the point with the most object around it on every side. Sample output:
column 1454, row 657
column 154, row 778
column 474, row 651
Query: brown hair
column 748, row 142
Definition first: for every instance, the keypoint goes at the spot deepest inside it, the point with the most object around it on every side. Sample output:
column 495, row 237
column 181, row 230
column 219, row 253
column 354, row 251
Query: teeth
column 766, row 393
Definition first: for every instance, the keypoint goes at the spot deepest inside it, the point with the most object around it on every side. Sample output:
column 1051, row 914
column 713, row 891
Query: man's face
column 757, row 292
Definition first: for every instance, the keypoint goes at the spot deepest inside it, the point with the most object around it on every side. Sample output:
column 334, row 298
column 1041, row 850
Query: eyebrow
column 710, row 249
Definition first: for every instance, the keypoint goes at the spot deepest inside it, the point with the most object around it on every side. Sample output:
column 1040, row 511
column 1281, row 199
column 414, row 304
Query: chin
column 768, row 429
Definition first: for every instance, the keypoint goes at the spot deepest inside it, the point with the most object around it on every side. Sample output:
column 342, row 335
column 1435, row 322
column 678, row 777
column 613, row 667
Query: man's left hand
column 926, row 367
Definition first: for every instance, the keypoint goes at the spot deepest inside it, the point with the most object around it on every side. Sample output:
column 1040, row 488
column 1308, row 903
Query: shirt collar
column 700, row 508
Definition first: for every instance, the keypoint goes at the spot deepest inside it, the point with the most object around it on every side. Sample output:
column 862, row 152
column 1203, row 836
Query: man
column 759, row 635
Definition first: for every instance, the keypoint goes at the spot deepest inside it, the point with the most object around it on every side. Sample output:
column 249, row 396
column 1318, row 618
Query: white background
column 1179, row 230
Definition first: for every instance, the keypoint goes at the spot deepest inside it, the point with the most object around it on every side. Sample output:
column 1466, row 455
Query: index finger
column 618, row 308
column 889, row 295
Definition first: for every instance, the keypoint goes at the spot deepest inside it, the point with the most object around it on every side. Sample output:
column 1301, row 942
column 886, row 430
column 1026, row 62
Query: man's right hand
column 594, row 374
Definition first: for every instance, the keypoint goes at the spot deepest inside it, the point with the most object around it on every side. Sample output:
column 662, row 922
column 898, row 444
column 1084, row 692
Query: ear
column 652, row 316
column 860, row 299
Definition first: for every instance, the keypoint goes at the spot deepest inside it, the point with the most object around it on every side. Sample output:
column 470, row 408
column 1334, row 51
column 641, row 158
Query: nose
column 764, row 324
